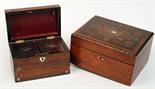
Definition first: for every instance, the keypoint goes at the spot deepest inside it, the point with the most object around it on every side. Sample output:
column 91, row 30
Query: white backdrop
column 139, row 13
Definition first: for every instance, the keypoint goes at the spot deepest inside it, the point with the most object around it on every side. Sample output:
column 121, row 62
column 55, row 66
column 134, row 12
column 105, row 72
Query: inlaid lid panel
column 114, row 34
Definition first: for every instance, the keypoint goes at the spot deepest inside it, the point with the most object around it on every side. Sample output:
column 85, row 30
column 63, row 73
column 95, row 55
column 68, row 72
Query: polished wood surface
column 31, row 8
column 33, row 68
column 29, row 65
column 124, row 38
column 99, row 48
column 35, row 41
column 101, row 65
column 142, row 58
column 111, row 49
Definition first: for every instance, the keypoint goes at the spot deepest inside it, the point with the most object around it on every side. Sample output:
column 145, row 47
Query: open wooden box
column 35, row 41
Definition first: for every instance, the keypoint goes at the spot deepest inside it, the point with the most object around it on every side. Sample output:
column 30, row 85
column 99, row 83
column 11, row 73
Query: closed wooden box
column 111, row 49
column 35, row 41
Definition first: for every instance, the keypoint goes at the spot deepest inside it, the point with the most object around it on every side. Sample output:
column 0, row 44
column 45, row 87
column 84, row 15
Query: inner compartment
column 37, row 47
column 50, row 46
column 24, row 50
column 31, row 24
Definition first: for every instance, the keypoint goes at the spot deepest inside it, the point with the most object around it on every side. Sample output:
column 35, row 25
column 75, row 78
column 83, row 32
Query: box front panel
column 102, row 49
column 41, row 66
column 101, row 65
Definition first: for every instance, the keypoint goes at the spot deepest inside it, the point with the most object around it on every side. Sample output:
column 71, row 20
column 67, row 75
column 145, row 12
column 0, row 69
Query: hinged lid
column 122, row 39
column 35, row 22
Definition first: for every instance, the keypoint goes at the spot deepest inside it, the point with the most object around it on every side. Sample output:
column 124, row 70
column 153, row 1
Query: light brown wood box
column 111, row 49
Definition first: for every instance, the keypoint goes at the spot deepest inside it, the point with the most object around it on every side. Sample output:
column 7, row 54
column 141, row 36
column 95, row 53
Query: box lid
column 122, row 39
column 34, row 22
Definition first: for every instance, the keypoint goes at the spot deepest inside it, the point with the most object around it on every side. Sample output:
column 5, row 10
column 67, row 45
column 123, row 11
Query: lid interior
column 33, row 23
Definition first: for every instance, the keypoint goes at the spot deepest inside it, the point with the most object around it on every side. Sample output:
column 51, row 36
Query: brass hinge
column 50, row 37
column 19, row 41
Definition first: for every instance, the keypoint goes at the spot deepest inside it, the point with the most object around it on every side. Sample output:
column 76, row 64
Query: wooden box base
column 102, row 65
column 40, row 58
column 113, row 50
column 109, row 67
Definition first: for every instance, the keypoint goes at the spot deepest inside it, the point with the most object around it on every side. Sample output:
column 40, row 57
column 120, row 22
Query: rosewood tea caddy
column 35, row 41
column 111, row 49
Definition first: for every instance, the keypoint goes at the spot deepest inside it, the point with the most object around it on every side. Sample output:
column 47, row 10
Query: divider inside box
column 37, row 47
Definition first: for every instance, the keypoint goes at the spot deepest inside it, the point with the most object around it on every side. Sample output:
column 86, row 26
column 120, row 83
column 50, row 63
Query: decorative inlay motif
column 66, row 71
column 18, row 79
column 114, row 33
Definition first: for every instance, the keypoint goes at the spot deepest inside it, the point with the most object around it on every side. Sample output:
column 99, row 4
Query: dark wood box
column 35, row 41
column 111, row 49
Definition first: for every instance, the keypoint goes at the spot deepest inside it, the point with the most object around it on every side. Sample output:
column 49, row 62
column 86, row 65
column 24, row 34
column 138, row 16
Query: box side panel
column 142, row 58
column 66, row 48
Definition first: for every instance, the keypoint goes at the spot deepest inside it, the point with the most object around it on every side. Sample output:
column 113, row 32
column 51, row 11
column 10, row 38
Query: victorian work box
column 111, row 49
column 35, row 41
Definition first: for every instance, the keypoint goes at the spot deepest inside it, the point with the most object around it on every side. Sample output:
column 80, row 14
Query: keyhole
column 42, row 59
column 100, row 58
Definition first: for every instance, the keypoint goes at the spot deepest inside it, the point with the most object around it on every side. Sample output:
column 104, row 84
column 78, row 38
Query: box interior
column 37, row 47
column 34, row 25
